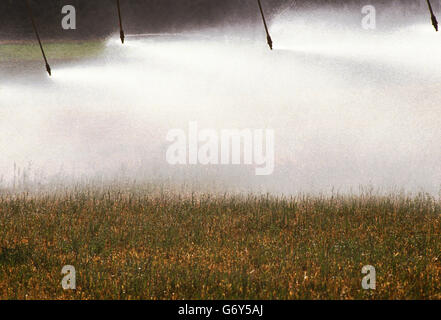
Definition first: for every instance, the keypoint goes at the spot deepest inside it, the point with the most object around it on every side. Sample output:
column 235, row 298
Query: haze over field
column 349, row 107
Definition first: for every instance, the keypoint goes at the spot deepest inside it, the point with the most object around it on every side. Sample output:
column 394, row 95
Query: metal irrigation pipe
column 48, row 68
column 268, row 37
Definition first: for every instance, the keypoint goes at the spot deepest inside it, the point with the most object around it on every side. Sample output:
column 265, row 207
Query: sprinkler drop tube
column 48, row 68
column 121, row 31
column 268, row 37
column 432, row 15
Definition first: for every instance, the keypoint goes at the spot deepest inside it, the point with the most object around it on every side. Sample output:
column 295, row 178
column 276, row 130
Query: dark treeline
column 98, row 18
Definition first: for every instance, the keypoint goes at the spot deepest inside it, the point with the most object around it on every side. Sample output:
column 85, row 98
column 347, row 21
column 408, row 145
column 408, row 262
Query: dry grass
column 132, row 243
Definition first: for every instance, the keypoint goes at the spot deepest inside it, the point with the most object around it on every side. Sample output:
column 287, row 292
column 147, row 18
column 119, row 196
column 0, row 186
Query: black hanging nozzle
column 48, row 69
column 432, row 16
column 268, row 37
column 270, row 42
column 121, row 31
column 34, row 25
column 435, row 22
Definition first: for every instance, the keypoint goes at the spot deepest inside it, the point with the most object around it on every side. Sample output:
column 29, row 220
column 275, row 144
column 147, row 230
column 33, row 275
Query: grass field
column 143, row 243
column 28, row 51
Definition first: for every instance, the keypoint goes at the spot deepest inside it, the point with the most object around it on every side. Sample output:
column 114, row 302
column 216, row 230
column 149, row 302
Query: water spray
column 268, row 37
column 48, row 68
column 434, row 21
column 121, row 31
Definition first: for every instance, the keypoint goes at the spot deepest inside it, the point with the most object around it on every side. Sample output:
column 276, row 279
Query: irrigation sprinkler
column 268, row 37
column 121, row 31
column 432, row 15
column 48, row 68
